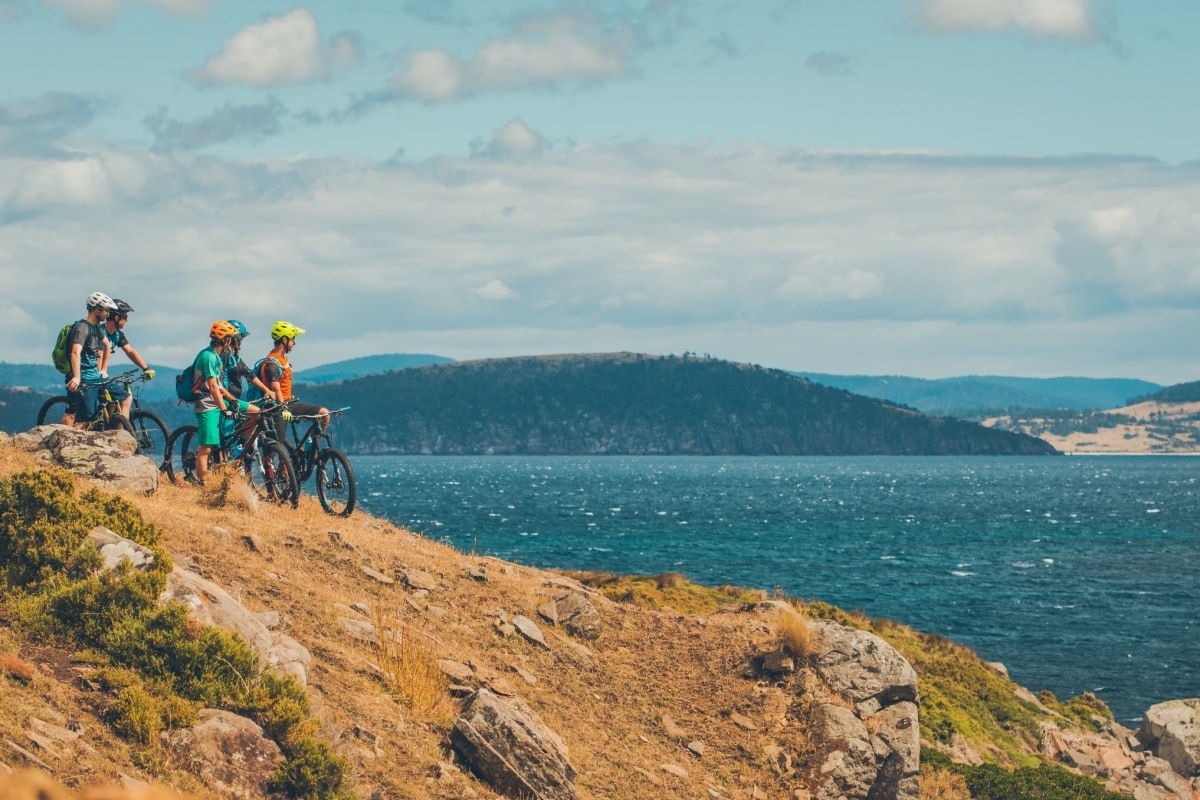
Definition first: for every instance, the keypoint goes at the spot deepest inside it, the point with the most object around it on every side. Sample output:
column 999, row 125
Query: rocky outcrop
column 229, row 753
column 1119, row 758
column 209, row 604
column 106, row 457
column 506, row 745
column 574, row 612
column 1171, row 730
column 868, row 744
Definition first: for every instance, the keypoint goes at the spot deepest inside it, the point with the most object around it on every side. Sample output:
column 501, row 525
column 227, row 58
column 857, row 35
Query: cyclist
column 276, row 371
column 88, row 351
column 114, row 332
column 235, row 368
column 216, row 401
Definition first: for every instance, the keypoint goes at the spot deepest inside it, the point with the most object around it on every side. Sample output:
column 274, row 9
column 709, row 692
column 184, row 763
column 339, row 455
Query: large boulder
column 1171, row 730
column 870, row 749
column 574, row 612
column 209, row 604
column 861, row 667
column 108, row 458
column 507, row 746
column 229, row 753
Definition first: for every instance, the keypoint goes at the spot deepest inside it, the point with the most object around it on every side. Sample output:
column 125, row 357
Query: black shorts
column 304, row 409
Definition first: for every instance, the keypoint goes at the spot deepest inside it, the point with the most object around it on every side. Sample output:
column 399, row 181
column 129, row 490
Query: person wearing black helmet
column 87, row 349
column 114, row 332
column 235, row 368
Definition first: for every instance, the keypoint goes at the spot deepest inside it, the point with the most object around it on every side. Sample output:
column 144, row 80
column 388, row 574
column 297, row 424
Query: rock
column 376, row 575
column 856, row 763
column 106, row 457
column 416, row 579
column 360, row 629
column 897, row 748
column 674, row 769
column 1171, row 731
column 456, row 671
column 743, row 722
column 529, row 629
column 209, row 604
column 507, row 746
column 778, row 662
column 862, row 667
column 574, row 612
column 673, row 730
column 229, row 753
column 697, row 748
column 115, row 548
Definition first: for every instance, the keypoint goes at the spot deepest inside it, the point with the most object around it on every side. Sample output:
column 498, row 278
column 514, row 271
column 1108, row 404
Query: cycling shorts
column 83, row 403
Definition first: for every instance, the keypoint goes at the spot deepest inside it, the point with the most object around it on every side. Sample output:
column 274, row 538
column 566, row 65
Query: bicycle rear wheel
column 151, row 434
column 51, row 412
column 179, row 459
column 273, row 475
column 336, row 487
column 118, row 422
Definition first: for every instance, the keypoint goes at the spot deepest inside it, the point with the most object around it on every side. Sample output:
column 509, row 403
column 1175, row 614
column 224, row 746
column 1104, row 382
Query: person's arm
column 76, row 352
column 135, row 357
column 102, row 356
column 216, row 391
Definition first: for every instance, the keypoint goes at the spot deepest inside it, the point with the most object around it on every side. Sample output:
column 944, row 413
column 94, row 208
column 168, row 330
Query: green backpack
column 61, row 354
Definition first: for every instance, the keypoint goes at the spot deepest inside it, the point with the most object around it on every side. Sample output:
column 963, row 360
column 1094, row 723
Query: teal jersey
column 208, row 364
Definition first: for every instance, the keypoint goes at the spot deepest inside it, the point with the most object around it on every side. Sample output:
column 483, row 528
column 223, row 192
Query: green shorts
column 208, row 424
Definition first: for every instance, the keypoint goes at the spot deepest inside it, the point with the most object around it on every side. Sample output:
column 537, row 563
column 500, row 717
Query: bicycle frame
column 106, row 407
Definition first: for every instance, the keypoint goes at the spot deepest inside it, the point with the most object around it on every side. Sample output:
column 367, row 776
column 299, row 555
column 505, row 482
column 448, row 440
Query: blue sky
column 918, row 187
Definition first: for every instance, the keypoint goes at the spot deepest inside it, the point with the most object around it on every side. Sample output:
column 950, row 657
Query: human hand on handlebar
column 148, row 373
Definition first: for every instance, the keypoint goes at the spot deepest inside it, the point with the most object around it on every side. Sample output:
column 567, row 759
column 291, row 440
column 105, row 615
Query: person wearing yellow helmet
column 216, row 401
column 276, row 371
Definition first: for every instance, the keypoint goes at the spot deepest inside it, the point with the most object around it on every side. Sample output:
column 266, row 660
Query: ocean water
column 1079, row 574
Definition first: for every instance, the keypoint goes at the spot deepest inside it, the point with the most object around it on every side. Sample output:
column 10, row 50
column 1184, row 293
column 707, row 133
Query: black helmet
column 122, row 307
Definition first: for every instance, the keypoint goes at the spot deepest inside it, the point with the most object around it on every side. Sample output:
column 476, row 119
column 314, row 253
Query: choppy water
column 1080, row 574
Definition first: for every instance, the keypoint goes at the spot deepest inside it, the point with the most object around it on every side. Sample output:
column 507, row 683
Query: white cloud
column 515, row 140
column 94, row 15
column 278, row 51
column 828, row 261
column 98, row 15
column 495, row 290
column 546, row 51
column 1065, row 19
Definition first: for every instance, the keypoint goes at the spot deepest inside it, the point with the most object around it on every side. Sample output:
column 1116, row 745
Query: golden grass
column 938, row 784
column 33, row 785
column 408, row 665
column 794, row 633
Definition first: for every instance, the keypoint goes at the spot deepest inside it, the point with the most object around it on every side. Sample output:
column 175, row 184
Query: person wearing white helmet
column 87, row 348
column 114, row 331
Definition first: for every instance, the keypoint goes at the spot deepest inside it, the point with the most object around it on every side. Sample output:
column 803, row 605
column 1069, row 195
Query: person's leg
column 208, row 436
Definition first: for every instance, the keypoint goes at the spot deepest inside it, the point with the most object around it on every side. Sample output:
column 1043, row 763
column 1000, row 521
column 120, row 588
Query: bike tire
column 151, row 433
column 179, row 460
column 118, row 422
column 45, row 412
column 272, row 474
column 336, row 487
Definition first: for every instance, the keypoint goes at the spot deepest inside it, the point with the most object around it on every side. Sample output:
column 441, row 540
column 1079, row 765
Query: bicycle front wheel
column 151, row 434
column 273, row 475
column 179, row 459
column 51, row 412
column 336, row 487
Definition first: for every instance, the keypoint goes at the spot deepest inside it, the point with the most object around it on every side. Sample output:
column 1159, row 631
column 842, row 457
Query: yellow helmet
column 285, row 330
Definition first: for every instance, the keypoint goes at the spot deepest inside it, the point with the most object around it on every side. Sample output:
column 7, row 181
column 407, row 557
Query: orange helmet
column 222, row 330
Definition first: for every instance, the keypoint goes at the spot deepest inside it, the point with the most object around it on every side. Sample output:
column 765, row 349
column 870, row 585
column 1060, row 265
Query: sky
column 929, row 188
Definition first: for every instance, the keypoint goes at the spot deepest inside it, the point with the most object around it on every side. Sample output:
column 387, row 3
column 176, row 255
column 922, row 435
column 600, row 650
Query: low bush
column 1041, row 782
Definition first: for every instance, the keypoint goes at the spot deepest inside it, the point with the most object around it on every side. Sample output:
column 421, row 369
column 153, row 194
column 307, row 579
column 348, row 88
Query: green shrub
column 312, row 772
column 1041, row 782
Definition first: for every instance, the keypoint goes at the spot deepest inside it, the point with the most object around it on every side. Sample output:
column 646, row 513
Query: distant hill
column 1179, row 393
column 46, row 379
column 367, row 365
column 18, row 408
column 635, row 404
column 976, row 396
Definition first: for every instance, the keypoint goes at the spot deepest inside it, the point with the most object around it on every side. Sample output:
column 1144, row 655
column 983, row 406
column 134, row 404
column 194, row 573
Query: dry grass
column 33, row 785
column 408, row 665
column 938, row 784
column 794, row 633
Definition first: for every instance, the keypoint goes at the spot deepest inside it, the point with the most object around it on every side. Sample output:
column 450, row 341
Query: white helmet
column 100, row 300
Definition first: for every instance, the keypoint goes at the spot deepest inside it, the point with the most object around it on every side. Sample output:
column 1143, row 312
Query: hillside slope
column 660, row 686
column 638, row 405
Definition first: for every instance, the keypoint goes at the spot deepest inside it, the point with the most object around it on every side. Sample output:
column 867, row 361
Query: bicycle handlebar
column 333, row 412
column 125, row 377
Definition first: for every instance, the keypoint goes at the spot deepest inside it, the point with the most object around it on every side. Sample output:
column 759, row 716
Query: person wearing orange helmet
column 216, row 401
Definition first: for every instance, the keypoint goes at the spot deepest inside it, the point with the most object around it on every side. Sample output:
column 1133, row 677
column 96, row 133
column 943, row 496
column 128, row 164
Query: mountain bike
column 147, row 428
column 251, row 445
column 313, row 452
